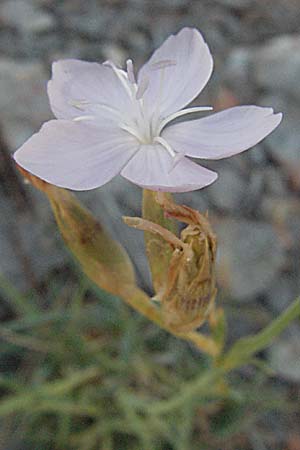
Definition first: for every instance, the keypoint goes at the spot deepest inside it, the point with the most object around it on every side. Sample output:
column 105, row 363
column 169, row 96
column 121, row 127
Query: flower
column 109, row 121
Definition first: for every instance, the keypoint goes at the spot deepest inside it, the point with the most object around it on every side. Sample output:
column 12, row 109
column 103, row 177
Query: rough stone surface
column 236, row 3
column 23, row 99
column 26, row 16
column 255, row 203
column 277, row 65
column 275, row 181
column 29, row 242
column 285, row 356
column 255, row 49
column 228, row 192
column 283, row 291
column 237, row 73
column 250, row 257
column 283, row 143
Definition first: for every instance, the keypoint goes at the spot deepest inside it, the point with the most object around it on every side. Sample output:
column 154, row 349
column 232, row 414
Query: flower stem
column 140, row 301
column 240, row 353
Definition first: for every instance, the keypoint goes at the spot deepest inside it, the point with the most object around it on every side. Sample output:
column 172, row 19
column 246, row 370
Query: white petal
column 76, row 155
column 223, row 134
column 80, row 87
column 186, row 65
column 152, row 167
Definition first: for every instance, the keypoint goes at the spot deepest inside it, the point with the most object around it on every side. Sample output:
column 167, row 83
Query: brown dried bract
column 190, row 288
column 191, row 284
column 35, row 181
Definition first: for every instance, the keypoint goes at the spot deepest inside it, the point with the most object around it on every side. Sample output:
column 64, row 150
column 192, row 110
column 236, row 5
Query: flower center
column 146, row 127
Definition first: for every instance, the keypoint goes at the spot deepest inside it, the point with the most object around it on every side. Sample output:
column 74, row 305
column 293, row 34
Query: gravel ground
column 255, row 205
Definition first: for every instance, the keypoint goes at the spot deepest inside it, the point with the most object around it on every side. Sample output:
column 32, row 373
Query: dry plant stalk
column 107, row 264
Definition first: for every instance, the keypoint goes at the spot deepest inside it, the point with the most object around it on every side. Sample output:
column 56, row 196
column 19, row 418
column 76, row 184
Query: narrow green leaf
column 44, row 395
column 22, row 305
column 218, row 327
column 245, row 348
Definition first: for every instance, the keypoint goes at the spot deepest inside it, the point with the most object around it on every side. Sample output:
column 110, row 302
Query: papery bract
column 187, row 291
column 108, row 121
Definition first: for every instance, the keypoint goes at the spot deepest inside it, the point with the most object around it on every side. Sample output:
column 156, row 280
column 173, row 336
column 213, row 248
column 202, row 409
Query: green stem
column 204, row 385
column 240, row 354
column 245, row 348
column 138, row 300
column 40, row 397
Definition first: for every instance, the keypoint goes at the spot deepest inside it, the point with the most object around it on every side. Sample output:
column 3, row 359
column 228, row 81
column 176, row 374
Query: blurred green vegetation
column 81, row 370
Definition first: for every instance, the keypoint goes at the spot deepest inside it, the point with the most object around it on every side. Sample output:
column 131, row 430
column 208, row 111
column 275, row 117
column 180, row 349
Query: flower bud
column 187, row 290
column 102, row 258
column 190, row 288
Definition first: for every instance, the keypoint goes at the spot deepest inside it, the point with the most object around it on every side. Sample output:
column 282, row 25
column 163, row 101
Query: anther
column 121, row 74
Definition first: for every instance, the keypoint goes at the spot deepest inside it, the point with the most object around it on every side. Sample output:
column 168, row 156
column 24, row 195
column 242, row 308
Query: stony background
column 255, row 205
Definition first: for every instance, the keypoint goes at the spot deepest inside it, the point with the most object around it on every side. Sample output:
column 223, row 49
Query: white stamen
column 163, row 64
column 132, row 131
column 165, row 144
column 183, row 112
column 82, row 118
column 121, row 74
column 142, row 87
column 130, row 71
column 111, row 64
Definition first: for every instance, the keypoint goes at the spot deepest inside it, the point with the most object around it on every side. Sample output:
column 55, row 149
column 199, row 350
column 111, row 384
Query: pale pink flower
column 109, row 121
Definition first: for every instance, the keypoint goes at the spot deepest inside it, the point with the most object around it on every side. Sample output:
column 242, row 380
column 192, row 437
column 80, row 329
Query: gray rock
column 275, row 181
column 227, row 193
column 29, row 242
column 284, row 212
column 258, row 156
column 253, row 194
column 279, row 17
column 240, row 4
column 277, row 65
column 26, row 16
column 96, row 30
column 284, row 357
column 78, row 49
column 250, row 257
column 168, row 3
column 89, row 19
column 23, row 100
column 237, row 73
column 197, row 199
column 283, row 143
column 283, row 291
column 21, row 46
